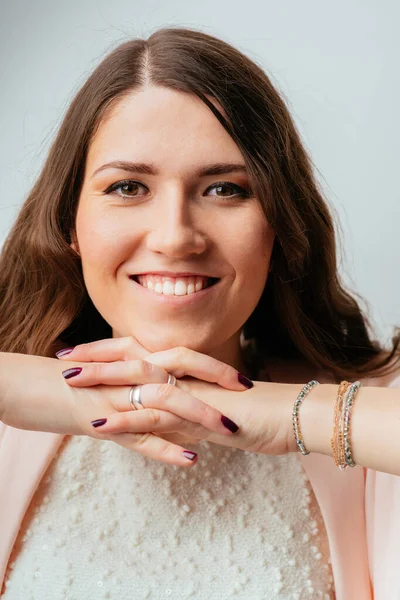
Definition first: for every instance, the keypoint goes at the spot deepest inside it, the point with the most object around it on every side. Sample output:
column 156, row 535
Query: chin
column 168, row 341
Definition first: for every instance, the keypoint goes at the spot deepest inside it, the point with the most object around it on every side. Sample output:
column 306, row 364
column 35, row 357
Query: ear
column 74, row 243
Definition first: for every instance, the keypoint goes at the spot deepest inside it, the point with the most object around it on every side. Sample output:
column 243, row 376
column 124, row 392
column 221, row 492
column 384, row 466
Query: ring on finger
column 134, row 393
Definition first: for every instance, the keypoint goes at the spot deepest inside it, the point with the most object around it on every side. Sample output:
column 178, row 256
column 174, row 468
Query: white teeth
column 168, row 288
column 180, row 288
column 173, row 287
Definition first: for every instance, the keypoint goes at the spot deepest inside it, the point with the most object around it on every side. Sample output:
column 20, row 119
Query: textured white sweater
column 106, row 522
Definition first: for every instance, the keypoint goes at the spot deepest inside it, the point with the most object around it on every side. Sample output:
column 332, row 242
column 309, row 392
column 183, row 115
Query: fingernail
column 244, row 381
column 229, row 424
column 98, row 422
column 71, row 372
column 189, row 455
column 64, row 352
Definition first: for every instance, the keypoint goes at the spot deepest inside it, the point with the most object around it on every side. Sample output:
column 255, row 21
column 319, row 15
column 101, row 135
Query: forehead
column 163, row 126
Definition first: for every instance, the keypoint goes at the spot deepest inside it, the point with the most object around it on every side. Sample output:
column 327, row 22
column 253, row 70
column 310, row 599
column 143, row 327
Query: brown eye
column 128, row 188
column 224, row 188
column 229, row 190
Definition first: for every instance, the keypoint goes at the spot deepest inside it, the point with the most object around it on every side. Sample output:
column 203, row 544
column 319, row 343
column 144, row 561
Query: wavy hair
column 304, row 312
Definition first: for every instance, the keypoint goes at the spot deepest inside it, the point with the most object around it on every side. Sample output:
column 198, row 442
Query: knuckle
column 181, row 352
column 166, row 450
column 154, row 416
column 142, row 439
column 87, row 348
column 226, row 370
column 205, row 412
column 98, row 371
column 147, row 368
column 127, row 344
column 164, row 391
column 124, row 421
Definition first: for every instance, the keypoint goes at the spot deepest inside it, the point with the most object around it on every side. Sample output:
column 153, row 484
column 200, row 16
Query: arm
column 374, row 426
column 265, row 419
column 33, row 395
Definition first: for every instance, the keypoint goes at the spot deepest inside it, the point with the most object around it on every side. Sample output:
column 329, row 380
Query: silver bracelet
column 296, row 408
column 352, row 392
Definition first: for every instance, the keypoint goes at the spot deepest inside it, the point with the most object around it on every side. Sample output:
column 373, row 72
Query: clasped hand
column 207, row 403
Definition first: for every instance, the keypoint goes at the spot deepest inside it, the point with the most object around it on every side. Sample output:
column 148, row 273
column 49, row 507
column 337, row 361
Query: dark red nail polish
column 64, row 352
column 72, row 372
column 98, row 422
column 229, row 424
column 189, row 455
column 244, row 381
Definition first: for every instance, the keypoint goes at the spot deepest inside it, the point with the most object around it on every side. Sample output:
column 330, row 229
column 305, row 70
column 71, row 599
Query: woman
column 178, row 169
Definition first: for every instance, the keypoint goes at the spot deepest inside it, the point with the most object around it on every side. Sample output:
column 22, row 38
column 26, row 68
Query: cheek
column 253, row 250
column 102, row 239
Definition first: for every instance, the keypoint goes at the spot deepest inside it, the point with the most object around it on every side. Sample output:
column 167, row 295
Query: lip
column 174, row 300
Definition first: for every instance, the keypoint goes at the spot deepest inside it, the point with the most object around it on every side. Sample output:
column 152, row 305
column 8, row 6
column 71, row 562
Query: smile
column 170, row 286
column 170, row 292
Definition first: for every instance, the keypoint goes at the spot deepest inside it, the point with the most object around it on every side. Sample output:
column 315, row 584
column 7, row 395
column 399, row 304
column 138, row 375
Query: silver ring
column 171, row 379
column 134, row 393
column 134, row 397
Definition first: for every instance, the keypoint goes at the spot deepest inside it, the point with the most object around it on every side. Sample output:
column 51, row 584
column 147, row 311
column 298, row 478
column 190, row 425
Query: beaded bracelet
column 353, row 391
column 296, row 408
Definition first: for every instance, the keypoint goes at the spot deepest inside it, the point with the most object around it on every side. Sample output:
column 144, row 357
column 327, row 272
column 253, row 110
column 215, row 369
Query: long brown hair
column 304, row 312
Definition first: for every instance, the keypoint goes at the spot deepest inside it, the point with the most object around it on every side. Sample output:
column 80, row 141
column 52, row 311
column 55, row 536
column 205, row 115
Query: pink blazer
column 360, row 507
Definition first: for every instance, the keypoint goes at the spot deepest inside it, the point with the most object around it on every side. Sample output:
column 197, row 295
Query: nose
column 175, row 229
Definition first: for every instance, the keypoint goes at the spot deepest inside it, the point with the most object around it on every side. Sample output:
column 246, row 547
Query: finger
column 150, row 420
column 156, row 448
column 108, row 350
column 132, row 372
column 181, row 361
column 174, row 400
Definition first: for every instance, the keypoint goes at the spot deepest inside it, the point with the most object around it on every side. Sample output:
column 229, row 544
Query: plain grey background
column 335, row 63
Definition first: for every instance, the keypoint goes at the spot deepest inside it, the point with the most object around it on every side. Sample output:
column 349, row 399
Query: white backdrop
column 336, row 64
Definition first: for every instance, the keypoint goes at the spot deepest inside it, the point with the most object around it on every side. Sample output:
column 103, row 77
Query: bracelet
column 337, row 441
column 340, row 441
column 354, row 389
column 296, row 408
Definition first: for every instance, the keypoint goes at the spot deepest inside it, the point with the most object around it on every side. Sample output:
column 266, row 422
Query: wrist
column 33, row 394
column 316, row 418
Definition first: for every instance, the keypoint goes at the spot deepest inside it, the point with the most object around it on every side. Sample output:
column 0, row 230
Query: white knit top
column 106, row 522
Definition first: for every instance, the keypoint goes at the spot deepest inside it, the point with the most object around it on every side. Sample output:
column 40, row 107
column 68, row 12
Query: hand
column 35, row 396
column 256, row 435
column 128, row 348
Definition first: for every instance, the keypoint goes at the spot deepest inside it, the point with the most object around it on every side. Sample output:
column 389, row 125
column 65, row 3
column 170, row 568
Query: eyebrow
column 150, row 169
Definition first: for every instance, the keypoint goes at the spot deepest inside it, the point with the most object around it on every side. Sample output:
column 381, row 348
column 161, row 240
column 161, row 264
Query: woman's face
column 148, row 205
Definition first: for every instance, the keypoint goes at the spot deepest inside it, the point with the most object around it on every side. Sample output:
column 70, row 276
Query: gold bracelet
column 337, row 441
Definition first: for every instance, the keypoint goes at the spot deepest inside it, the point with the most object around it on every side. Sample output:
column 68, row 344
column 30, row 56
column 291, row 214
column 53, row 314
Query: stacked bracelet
column 340, row 441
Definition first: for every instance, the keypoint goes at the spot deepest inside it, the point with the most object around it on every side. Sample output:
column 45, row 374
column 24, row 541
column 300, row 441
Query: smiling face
column 169, row 216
